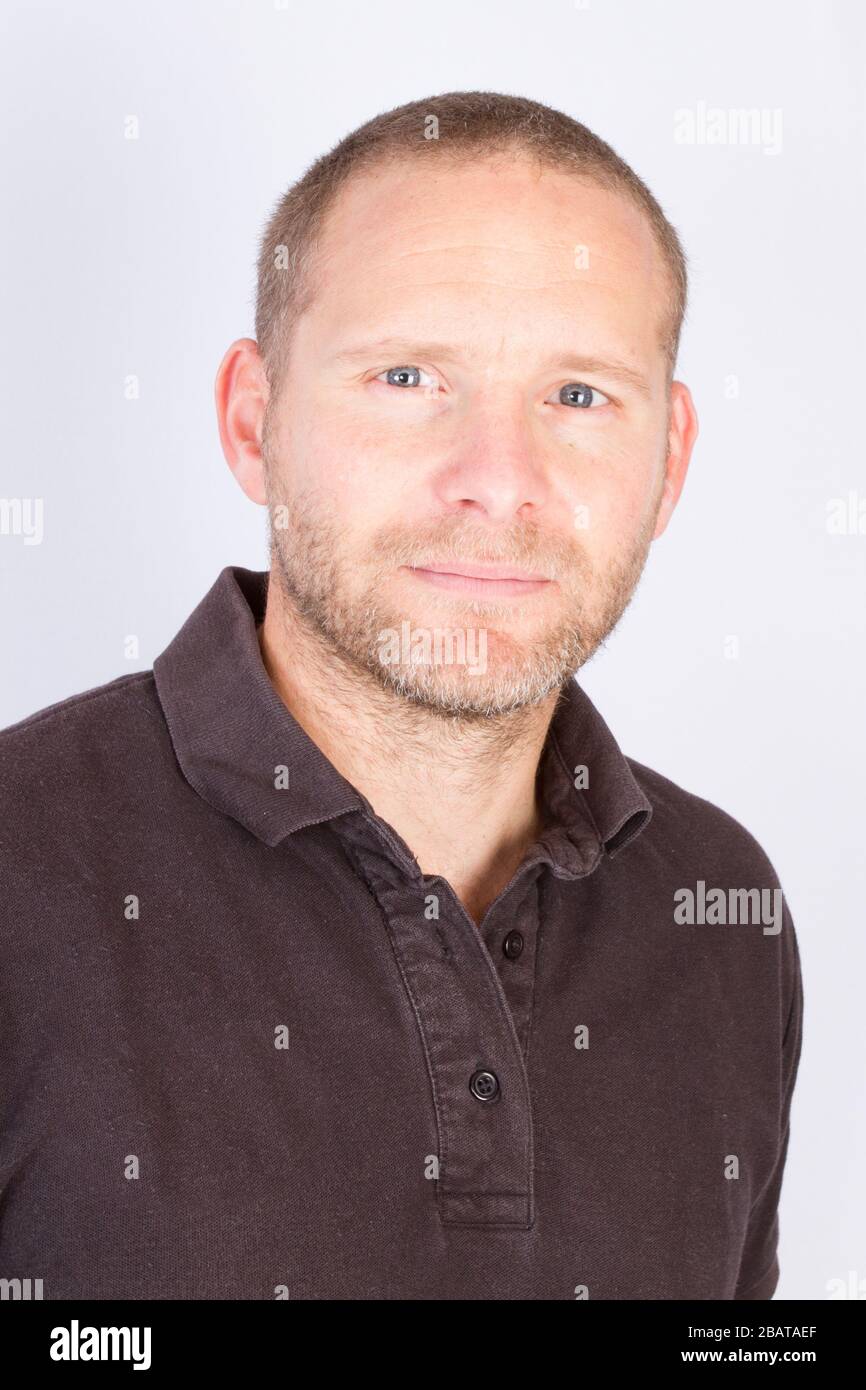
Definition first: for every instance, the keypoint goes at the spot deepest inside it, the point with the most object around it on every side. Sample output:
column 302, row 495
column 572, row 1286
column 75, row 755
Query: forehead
column 492, row 249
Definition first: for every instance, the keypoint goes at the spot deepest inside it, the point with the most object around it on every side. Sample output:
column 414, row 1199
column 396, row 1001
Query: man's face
column 493, row 286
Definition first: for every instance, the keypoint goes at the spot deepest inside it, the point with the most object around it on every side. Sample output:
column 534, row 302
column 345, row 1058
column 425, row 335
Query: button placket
column 462, row 992
column 513, row 949
column 476, row 1068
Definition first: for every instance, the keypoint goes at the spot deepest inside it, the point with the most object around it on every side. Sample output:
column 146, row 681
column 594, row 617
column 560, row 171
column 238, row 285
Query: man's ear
column 682, row 433
column 241, row 396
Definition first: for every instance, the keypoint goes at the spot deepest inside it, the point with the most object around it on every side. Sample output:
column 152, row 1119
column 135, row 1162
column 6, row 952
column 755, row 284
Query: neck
column 460, row 793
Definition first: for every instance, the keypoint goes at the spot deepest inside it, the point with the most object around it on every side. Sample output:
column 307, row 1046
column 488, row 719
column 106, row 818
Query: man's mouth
column 481, row 581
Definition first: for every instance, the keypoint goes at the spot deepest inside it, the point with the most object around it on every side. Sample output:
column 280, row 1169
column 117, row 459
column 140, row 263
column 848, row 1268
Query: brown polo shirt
column 248, row 1050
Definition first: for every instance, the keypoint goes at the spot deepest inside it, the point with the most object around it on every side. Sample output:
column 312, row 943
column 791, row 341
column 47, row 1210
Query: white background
column 121, row 256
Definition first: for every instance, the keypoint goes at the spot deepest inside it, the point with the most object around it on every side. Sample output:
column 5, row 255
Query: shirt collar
column 232, row 734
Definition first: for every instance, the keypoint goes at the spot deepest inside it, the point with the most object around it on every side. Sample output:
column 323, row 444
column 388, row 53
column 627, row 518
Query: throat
column 477, row 886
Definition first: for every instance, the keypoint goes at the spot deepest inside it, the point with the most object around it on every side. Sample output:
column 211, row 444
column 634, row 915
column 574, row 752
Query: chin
column 498, row 686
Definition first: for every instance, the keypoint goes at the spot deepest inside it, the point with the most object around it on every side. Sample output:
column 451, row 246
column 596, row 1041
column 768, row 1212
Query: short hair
column 468, row 125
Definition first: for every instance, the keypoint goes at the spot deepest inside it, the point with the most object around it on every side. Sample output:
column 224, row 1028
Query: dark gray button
column 512, row 945
column 484, row 1085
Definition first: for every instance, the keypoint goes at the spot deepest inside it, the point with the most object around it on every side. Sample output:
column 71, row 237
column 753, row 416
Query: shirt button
column 512, row 945
column 484, row 1085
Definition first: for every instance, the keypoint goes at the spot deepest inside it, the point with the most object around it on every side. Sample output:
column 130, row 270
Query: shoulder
column 61, row 762
column 695, row 847
column 686, row 827
column 67, row 723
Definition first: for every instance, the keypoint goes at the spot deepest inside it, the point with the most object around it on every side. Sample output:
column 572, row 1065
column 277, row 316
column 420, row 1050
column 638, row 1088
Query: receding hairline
column 311, row 282
column 533, row 134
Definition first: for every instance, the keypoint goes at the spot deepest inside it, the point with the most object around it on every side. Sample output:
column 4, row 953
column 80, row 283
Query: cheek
column 357, row 488
column 354, row 474
column 609, row 498
column 325, row 452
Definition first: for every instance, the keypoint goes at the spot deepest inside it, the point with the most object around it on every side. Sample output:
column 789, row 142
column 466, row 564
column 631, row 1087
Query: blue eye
column 406, row 376
column 578, row 394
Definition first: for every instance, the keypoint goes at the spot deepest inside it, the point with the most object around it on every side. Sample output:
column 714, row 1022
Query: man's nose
column 495, row 463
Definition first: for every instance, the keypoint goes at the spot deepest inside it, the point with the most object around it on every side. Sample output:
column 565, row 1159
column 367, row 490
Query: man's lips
column 484, row 581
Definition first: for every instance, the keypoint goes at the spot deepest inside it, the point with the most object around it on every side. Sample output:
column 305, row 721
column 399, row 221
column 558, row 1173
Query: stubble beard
column 350, row 623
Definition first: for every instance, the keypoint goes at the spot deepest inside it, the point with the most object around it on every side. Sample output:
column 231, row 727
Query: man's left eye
column 578, row 394
column 406, row 376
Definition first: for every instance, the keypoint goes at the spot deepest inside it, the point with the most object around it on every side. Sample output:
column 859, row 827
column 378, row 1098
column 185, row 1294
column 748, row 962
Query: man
column 346, row 955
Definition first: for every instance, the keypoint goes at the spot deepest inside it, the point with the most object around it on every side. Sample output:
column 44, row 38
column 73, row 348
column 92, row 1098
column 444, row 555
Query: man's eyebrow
column 405, row 350
column 405, row 346
column 603, row 366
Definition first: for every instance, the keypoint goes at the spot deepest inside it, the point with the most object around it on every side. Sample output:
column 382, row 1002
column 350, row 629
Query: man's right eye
column 405, row 376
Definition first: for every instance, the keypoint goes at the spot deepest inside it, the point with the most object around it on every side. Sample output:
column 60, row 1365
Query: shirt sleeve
column 759, row 1268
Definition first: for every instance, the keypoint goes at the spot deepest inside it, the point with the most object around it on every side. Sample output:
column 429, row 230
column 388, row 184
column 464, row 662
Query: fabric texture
column 249, row 1051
